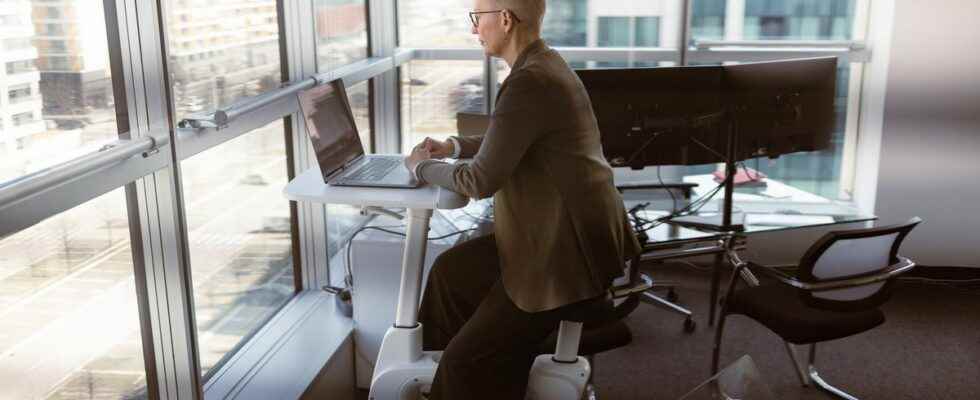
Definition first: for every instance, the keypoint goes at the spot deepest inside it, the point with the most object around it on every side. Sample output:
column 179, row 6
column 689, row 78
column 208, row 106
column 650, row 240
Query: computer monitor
column 658, row 116
column 685, row 115
column 781, row 107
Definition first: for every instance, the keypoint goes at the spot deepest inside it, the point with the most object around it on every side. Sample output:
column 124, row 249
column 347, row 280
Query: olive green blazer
column 560, row 225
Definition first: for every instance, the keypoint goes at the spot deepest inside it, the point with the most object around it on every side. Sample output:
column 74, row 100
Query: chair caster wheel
column 672, row 296
column 689, row 325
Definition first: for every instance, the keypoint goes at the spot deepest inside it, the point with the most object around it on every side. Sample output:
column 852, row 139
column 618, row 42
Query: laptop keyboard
column 375, row 170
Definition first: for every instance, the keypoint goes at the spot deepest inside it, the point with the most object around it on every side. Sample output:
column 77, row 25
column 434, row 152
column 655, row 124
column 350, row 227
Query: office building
column 150, row 246
column 73, row 61
column 20, row 95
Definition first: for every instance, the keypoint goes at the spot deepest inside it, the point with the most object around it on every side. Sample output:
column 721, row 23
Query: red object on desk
column 744, row 176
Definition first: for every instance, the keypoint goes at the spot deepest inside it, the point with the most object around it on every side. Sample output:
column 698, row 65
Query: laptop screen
column 330, row 124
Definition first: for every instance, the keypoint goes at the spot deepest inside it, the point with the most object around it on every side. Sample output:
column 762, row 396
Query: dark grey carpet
column 928, row 348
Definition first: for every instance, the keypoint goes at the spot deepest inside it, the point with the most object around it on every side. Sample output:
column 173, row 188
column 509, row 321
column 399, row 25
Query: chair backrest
column 852, row 254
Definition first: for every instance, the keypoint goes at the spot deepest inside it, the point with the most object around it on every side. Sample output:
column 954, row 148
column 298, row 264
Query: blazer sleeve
column 518, row 121
column 468, row 145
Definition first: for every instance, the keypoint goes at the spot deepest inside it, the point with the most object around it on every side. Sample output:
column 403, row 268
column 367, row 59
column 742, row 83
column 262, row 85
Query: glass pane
column 56, row 100
column 360, row 104
column 239, row 232
column 69, row 321
column 773, row 19
column 708, row 19
column 221, row 51
column 647, row 32
column 610, row 23
column 341, row 32
column 614, row 32
column 435, row 23
column 433, row 92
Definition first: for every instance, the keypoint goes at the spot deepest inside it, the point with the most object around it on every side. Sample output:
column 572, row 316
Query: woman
column 561, row 233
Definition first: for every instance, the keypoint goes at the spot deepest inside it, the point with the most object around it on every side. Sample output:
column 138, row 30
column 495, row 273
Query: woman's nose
column 473, row 29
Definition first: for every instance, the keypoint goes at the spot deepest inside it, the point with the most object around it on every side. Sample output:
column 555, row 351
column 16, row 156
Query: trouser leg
column 460, row 279
column 491, row 356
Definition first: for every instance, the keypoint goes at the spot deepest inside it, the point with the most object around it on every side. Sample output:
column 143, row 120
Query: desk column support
column 715, row 279
column 413, row 260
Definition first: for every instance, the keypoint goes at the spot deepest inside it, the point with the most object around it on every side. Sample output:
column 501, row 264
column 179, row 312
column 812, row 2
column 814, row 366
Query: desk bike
column 403, row 370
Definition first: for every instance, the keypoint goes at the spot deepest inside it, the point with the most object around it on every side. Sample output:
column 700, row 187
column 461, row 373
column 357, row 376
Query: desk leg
column 402, row 367
column 413, row 261
column 715, row 279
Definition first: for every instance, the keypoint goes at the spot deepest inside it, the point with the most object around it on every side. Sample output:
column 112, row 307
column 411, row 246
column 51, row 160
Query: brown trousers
column 489, row 343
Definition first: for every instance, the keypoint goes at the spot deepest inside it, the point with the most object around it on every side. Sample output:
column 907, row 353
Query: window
column 341, row 32
column 74, row 116
column 57, row 46
column 20, row 67
column 433, row 92
column 238, row 223
column 246, row 45
column 360, row 104
column 816, row 172
column 238, row 230
column 54, row 29
column 19, row 93
column 774, row 19
column 708, row 19
column 628, row 32
column 16, row 44
column 426, row 23
column 70, row 326
column 614, row 31
column 22, row 118
column 565, row 23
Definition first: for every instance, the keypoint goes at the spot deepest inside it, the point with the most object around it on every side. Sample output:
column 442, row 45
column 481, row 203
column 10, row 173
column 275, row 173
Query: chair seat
column 780, row 308
column 594, row 339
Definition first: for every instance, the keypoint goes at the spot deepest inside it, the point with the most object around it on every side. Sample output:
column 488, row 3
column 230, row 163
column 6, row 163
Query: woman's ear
column 507, row 20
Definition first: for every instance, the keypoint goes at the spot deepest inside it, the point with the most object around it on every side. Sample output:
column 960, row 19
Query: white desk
column 402, row 367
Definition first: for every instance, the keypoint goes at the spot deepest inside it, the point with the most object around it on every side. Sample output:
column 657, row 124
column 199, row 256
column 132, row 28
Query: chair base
column 826, row 387
column 810, row 375
column 668, row 304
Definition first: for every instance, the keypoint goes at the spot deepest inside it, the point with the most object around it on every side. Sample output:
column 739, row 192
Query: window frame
column 146, row 163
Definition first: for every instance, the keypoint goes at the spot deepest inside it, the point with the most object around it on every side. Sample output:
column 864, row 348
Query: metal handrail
column 221, row 117
column 834, row 44
column 110, row 154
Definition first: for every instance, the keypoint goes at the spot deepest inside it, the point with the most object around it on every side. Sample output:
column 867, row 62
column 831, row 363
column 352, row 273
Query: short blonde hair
column 530, row 12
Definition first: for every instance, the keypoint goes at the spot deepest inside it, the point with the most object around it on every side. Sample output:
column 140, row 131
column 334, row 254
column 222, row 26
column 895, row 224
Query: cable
column 348, row 264
column 639, row 151
column 673, row 199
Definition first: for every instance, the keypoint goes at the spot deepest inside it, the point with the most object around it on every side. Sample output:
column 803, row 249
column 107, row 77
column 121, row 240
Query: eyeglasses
column 475, row 16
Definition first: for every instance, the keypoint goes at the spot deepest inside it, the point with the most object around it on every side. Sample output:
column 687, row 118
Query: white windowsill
column 284, row 358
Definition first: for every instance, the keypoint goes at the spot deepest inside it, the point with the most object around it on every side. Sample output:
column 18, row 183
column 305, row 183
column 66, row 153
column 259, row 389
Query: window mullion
column 157, row 223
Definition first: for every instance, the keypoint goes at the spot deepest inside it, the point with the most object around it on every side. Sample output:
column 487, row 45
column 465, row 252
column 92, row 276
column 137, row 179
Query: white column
column 734, row 19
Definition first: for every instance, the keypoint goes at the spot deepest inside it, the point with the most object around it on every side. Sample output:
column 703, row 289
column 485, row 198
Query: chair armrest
column 775, row 272
column 903, row 265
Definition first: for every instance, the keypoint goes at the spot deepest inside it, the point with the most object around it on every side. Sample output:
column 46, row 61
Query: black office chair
column 651, row 296
column 833, row 293
column 598, row 335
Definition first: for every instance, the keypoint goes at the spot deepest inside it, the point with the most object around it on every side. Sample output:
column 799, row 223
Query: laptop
column 330, row 124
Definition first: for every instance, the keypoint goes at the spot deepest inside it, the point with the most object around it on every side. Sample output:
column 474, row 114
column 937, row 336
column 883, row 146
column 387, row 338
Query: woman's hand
column 419, row 153
column 438, row 148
